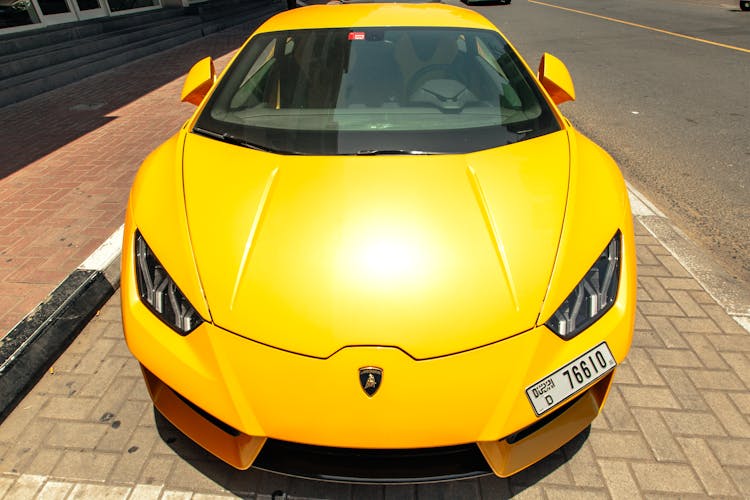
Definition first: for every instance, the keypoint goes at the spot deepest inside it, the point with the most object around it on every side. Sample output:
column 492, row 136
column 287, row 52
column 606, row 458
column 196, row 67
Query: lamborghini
column 378, row 252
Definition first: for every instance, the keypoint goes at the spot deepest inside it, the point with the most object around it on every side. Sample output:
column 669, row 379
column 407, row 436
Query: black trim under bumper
column 372, row 466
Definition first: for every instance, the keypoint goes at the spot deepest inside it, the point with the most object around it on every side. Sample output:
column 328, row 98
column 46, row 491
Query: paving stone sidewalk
column 677, row 423
column 68, row 158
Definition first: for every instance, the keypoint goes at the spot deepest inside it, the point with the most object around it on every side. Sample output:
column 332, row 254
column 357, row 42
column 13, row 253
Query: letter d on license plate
column 571, row 378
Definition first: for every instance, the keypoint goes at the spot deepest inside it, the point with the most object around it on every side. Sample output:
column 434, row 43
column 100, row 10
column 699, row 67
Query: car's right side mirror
column 555, row 79
column 199, row 81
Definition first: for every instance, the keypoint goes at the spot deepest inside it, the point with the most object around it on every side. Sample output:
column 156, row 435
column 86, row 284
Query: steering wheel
column 431, row 72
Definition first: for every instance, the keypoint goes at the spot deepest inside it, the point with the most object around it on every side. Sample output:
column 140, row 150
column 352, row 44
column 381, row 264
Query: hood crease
column 251, row 237
column 494, row 233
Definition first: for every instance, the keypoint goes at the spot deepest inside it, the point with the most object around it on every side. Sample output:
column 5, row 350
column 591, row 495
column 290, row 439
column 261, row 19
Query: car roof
column 376, row 14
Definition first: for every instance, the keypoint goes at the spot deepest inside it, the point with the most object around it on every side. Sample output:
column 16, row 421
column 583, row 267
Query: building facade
column 21, row 15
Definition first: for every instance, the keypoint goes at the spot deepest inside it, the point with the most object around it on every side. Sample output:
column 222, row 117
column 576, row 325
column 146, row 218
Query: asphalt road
column 673, row 110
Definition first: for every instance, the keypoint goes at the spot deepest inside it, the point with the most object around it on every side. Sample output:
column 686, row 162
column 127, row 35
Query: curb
column 729, row 293
column 35, row 343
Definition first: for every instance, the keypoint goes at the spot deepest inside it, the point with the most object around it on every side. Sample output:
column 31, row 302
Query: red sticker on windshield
column 357, row 35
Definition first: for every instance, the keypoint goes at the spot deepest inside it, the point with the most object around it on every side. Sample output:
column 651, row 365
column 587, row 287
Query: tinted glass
column 360, row 90
column 50, row 7
column 88, row 4
column 119, row 5
column 17, row 13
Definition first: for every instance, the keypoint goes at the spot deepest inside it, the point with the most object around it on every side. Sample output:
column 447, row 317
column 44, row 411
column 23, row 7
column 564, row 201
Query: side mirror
column 199, row 81
column 555, row 79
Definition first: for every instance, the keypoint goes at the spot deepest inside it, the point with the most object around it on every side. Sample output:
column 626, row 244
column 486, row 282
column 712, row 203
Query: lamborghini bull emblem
column 370, row 378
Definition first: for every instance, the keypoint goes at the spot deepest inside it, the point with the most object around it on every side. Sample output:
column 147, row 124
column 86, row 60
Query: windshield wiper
column 237, row 141
column 374, row 152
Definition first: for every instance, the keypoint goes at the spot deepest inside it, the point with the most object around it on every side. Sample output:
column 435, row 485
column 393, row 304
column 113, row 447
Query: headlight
column 160, row 293
column 592, row 297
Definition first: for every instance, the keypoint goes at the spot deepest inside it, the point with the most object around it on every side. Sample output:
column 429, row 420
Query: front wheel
column 745, row 5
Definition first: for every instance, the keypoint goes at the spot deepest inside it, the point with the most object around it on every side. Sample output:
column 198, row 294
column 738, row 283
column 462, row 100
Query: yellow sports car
column 378, row 252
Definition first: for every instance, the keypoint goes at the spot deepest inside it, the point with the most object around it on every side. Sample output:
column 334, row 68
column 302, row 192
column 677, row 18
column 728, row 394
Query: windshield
column 376, row 90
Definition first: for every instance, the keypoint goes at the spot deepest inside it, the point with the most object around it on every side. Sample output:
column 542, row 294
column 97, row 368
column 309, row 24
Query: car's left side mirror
column 555, row 79
column 199, row 81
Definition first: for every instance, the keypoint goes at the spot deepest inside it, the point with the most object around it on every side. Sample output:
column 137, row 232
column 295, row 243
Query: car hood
column 432, row 254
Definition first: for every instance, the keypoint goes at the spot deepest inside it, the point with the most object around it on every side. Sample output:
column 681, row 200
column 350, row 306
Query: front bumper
column 504, row 457
column 235, row 397
column 230, row 395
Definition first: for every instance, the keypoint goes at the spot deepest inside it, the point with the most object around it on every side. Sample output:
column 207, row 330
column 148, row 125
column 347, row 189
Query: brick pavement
column 68, row 158
column 677, row 423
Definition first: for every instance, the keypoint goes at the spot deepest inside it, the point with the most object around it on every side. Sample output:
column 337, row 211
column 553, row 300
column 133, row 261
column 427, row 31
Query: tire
column 745, row 5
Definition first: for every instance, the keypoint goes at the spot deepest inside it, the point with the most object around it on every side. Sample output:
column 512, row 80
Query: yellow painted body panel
column 198, row 81
column 373, row 14
column 239, row 451
column 261, row 391
column 507, row 458
column 554, row 76
column 440, row 270
column 160, row 213
column 598, row 206
column 312, row 254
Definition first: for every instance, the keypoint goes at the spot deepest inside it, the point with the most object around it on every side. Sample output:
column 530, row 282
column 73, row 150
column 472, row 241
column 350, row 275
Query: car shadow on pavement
column 255, row 483
column 37, row 127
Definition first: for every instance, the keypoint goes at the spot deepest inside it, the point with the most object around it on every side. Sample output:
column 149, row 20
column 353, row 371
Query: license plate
column 571, row 378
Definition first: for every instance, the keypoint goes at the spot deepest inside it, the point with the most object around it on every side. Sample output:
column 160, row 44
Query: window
column 345, row 91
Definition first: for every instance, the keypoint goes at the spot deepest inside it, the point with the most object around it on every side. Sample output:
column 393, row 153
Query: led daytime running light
column 160, row 293
column 592, row 297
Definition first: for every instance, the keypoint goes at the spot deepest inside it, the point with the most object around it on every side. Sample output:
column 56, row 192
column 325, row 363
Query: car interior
column 378, row 68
